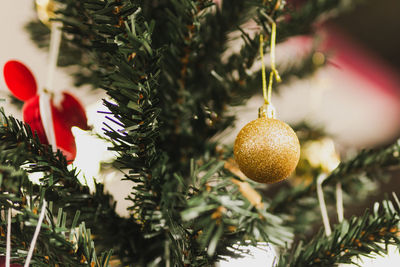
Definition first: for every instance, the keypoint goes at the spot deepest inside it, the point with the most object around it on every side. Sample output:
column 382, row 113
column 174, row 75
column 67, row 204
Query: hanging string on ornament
column 45, row 11
column 36, row 234
column 44, row 94
column 267, row 93
column 339, row 202
column 33, row 242
column 322, row 205
column 8, row 242
column 267, row 150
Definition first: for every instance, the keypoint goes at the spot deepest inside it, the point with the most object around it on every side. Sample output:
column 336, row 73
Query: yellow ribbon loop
column 267, row 91
column 264, row 79
column 273, row 41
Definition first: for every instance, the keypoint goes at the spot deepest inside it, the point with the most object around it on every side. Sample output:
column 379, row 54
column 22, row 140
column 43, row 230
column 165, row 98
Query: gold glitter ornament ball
column 267, row 150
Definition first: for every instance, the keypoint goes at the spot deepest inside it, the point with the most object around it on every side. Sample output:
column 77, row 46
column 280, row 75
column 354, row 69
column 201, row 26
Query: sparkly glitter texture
column 267, row 150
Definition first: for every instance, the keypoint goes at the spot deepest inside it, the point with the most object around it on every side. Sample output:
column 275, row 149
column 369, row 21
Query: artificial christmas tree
column 172, row 75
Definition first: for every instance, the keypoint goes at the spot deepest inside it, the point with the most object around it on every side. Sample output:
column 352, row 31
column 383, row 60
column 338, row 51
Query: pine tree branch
column 58, row 243
column 350, row 239
column 220, row 214
column 367, row 162
column 125, row 55
column 130, row 64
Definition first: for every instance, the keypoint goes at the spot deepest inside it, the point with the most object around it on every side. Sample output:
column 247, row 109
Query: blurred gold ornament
column 318, row 58
column 267, row 150
column 45, row 11
column 321, row 154
column 316, row 156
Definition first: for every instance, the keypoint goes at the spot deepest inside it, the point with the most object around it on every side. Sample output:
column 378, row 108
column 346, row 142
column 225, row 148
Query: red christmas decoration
column 68, row 113
column 19, row 80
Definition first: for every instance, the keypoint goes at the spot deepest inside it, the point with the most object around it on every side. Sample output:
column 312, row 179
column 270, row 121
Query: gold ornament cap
column 267, row 110
column 267, row 150
column 45, row 11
